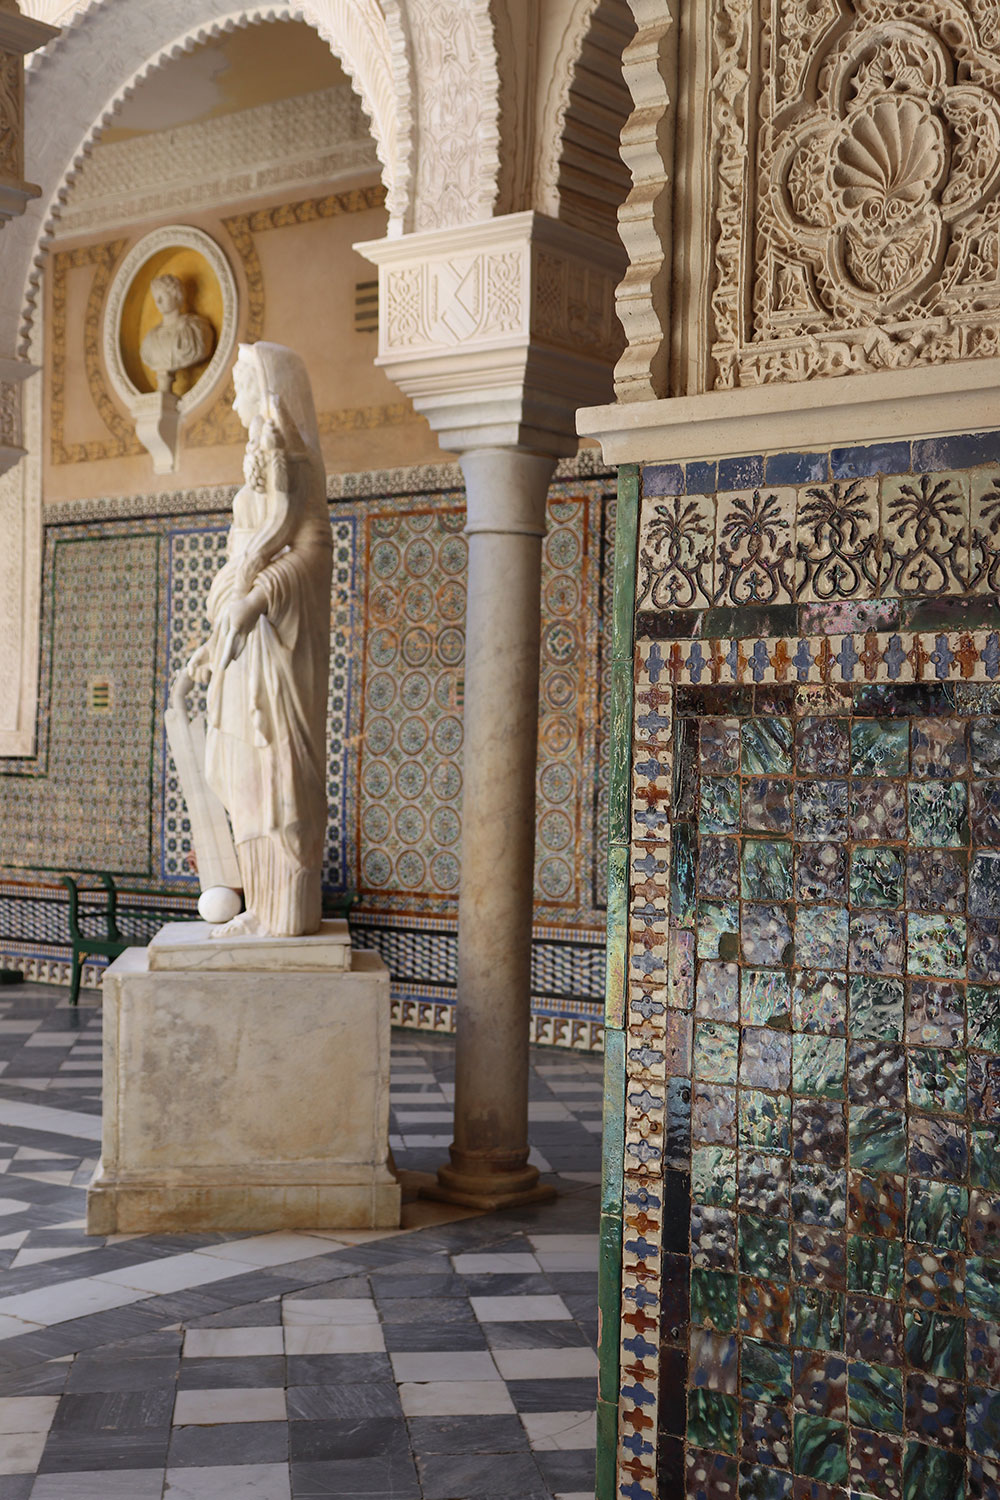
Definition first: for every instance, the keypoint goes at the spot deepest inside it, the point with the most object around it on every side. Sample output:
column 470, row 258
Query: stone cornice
column 892, row 405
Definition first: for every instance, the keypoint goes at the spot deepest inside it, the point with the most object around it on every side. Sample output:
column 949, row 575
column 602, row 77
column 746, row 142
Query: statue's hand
column 244, row 612
column 199, row 667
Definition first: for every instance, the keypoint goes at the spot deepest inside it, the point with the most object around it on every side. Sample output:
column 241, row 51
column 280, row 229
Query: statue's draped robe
column 266, row 722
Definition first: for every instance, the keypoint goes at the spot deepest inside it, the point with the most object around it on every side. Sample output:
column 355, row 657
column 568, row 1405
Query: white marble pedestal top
column 190, row 945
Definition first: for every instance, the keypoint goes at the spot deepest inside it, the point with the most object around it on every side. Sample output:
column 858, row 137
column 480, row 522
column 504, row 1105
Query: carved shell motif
column 888, row 162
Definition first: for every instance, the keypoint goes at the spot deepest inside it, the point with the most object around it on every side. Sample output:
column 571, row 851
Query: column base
column 477, row 1186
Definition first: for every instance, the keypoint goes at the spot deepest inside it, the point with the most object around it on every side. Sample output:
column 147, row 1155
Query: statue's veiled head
column 272, row 384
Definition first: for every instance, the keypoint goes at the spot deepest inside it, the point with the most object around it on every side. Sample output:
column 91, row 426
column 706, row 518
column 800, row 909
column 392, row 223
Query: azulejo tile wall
column 802, row 1192
column 125, row 587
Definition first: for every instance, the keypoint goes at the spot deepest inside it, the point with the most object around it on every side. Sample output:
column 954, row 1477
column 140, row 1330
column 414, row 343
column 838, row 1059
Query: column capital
column 499, row 330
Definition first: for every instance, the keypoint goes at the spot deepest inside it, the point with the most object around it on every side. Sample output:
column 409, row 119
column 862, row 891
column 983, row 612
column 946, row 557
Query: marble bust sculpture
column 180, row 340
column 266, row 661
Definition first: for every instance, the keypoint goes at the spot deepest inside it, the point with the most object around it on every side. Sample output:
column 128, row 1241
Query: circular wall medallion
column 210, row 291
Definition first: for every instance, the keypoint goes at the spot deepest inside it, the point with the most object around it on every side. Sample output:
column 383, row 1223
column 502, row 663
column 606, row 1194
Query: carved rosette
column 876, row 238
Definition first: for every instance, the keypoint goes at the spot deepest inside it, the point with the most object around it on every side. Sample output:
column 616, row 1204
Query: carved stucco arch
column 593, row 36
column 68, row 107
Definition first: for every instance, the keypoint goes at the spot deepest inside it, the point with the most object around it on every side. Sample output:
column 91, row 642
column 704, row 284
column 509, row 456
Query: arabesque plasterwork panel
column 872, row 240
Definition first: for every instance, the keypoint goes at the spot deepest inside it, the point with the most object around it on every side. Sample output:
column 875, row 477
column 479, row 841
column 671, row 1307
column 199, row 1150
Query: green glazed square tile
column 877, row 1139
column 765, row 933
column 719, row 744
column 766, row 746
column 984, row 883
column 717, row 990
column 877, row 942
column 875, row 1397
column 820, row 1448
column 765, row 1058
column 819, row 1194
column 880, row 747
column 716, row 1052
column 821, row 872
column 714, row 1299
column 821, row 937
column 820, row 1003
column 720, row 804
column 767, row 805
column 936, row 946
column 764, row 1247
column 936, row 879
column 984, row 746
column 933, row 1473
column 717, row 922
column 718, row 867
column 713, row 1176
column 936, row 1214
column 817, row 1318
column 818, row 1064
column 982, row 1287
column 876, row 1007
column 713, row 1420
column 764, row 1122
column 876, row 877
column 936, row 1079
column 937, row 747
column 934, row 1342
column 822, row 746
column 765, row 997
column 766, row 1371
column 982, row 1008
column 939, row 816
column 984, row 1158
column 934, row 1279
column 874, row 1266
column 821, row 811
column 766, row 869
column 763, row 1184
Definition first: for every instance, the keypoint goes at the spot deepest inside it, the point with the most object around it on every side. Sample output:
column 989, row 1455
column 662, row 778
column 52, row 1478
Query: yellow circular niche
column 203, row 295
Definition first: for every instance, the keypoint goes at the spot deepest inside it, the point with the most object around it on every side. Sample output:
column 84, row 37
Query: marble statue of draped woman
column 266, row 660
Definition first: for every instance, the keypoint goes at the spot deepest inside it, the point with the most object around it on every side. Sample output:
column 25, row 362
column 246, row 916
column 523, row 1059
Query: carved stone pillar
column 19, row 35
column 498, row 332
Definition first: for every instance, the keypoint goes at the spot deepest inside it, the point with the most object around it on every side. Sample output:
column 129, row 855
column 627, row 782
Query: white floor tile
column 536, row 1159
column 53, row 1039
column 456, row 1398
column 496, row 1264
column 39, row 1257
column 470, row 1364
column 544, row 1111
column 13, row 1205
column 232, row 1343
column 68, row 1299
column 27, row 1413
column 279, row 1249
column 44, row 1117
column 21, row 1452
column 209, row 1408
column 245, row 1481
column 366, row 1338
column 414, row 1142
column 566, row 1252
column 549, row 1431
column 563, row 1086
column 329, row 1312
column 423, row 1116
column 540, row 1309
column 118, row 1484
column 173, row 1273
column 546, row 1364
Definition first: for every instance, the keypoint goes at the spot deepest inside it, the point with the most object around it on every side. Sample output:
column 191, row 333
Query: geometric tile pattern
column 804, row 979
column 454, row 1357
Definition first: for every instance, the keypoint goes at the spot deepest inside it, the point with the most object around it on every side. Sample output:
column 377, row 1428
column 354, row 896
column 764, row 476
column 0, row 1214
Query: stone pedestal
column 244, row 1090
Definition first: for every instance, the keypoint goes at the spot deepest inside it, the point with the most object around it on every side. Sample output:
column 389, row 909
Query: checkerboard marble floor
column 451, row 1360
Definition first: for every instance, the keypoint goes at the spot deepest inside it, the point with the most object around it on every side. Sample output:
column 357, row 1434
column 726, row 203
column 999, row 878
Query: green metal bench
column 90, row 947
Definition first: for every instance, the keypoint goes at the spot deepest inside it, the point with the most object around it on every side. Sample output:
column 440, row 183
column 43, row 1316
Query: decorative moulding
column 893, row 405
column 158, row 414
column 498, row 331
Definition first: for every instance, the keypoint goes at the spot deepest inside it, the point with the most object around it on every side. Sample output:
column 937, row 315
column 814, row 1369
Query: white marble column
column 506, row 490
column 498, row 331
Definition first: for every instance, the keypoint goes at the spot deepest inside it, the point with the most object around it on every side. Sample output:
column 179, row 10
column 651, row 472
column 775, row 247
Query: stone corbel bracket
column 12, row 373
column 158, row 414
column 19, row 35
column 499, row 330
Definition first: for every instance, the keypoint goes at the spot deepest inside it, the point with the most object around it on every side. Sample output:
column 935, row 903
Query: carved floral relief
column 874, row 241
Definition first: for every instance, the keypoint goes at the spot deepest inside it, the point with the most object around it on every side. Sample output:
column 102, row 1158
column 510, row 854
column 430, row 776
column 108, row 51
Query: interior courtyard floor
column 450, row 1360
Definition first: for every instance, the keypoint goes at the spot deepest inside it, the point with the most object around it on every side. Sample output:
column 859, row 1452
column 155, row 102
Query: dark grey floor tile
column 258, row 1370
column 16, row 1486
column 246, row 1315
column 320, row 1402
column 562, row 1335
column 114, row 1411
column 347, row 1439
column 357, row 1479
column 88, row 1373
column 502, row 1285
column 35, row 1380
column 496, row 1434
column 553, row 1395
column 229, row 1443
column 350, row 1285
column 568, row 1471
column 72, row 1452
column 337, row 1369
column 390, row 1286
column 400, row 1337
column 419, row 1309
column 485, row 1476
